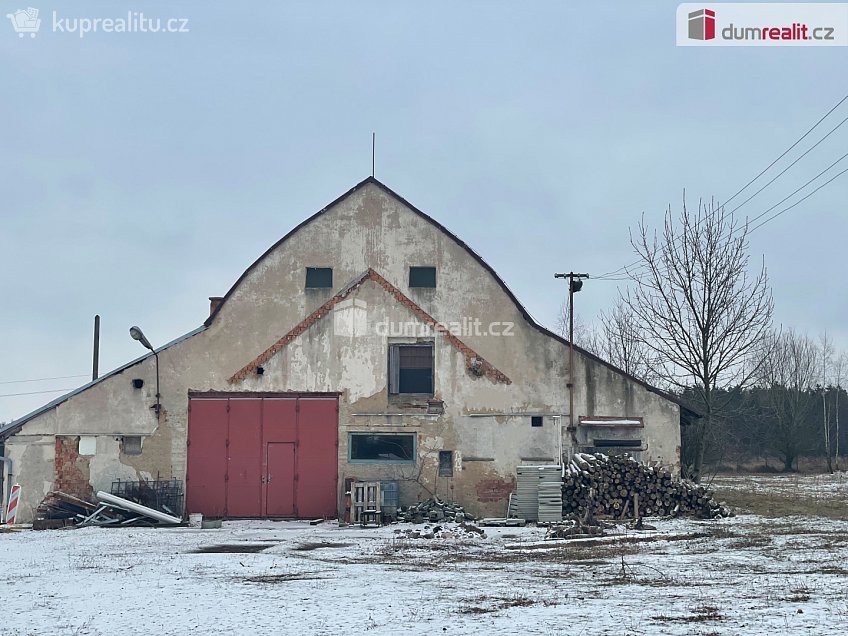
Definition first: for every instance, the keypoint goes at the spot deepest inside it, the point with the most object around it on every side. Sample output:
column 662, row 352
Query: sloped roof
column 14, row 426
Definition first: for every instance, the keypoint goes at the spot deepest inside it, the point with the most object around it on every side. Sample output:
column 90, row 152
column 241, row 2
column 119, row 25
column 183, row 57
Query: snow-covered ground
column 744, row 575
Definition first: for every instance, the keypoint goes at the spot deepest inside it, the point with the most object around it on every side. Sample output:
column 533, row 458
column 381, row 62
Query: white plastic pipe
column 120, row 502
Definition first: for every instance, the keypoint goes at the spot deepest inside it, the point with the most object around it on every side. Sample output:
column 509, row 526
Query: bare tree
column 789, row 372
column 700, row 312
column 621, row 341
column 585, row 335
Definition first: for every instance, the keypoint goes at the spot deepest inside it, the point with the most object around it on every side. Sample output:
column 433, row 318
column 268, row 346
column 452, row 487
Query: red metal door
column 244, row 455
column 280, row 480
column 317, row 457
column 207, row 457
column 279, row 419
column 235, row 442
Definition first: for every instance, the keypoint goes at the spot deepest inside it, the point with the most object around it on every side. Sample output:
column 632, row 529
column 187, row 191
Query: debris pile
column 452, row 531
column 616, row 485
column 60, row 509
column 433, row 511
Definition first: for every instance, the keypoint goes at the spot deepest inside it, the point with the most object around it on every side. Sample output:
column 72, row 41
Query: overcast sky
column 142, row 173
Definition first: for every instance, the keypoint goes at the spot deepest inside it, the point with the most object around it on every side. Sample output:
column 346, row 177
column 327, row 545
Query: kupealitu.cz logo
column 27, row 21
column 762, row 24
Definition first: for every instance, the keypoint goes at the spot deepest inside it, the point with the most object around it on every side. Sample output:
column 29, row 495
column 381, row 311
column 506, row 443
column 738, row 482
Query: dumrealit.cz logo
column 766, row 24
column 27, row 21
column 702, row 24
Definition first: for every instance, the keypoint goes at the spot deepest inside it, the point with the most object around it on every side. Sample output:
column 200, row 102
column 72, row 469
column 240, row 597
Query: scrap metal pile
column 615, row 485
column 153, row 503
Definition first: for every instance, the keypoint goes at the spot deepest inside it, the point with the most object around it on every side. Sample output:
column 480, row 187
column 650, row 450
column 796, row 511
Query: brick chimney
column 214, row 302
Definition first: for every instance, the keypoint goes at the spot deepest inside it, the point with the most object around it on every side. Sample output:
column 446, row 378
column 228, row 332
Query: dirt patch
column 701, row 614
column 233, row 548
column 489, row 604
column 305, row 547
column 282, row 578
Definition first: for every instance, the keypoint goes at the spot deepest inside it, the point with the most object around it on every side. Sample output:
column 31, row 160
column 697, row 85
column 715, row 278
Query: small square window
column 319, row 277
column 536, row 421
column 87, row 445
column 131, row 444
column 422, row 277
column 445, row 463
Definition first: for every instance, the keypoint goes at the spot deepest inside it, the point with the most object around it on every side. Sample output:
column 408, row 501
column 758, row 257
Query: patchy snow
column 744, row 575
column 813, row 487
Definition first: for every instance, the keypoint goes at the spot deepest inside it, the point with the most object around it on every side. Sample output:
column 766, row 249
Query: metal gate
column 262, row 456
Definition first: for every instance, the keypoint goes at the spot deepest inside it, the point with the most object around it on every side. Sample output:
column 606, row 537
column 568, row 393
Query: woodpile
column 621, row 487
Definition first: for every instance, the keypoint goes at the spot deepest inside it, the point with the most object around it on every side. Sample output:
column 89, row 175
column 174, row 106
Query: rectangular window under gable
column 422, row 277
column 411, row 368
column 319, row 277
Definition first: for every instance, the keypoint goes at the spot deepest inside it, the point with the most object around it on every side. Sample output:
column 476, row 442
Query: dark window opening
column 411, row 368
column 445, row 463
column 382, row 448
column 319, row 277
column 422, row 276
column 131, row 445
column 618, row 443
column 536, row 420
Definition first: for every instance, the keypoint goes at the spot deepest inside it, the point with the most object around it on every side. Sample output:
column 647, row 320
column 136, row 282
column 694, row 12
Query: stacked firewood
column 621, row 487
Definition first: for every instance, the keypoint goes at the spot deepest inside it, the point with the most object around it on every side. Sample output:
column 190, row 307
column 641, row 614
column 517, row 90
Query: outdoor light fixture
column 137, row 334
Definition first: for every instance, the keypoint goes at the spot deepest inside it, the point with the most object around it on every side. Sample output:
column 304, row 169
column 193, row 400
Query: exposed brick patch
column 490, row 490
column 473, row 361
column 72, row 471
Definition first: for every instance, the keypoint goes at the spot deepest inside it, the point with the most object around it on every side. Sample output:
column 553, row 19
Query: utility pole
column 575, row 284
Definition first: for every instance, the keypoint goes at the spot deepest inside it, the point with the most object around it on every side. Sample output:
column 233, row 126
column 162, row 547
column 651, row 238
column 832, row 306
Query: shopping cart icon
column 25, row 21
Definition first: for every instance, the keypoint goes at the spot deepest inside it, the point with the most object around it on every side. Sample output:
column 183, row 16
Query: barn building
column 369, row 343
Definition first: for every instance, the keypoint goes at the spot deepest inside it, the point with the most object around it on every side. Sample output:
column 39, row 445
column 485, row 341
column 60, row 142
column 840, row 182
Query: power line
column 771, row 218
column 624, row 269
column 762, row 214
column 58, row 377
column 785, row 152
column 779, row 174
column 34, row 392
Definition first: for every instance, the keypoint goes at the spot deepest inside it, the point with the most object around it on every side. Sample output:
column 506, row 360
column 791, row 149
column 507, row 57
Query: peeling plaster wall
column 486, row 423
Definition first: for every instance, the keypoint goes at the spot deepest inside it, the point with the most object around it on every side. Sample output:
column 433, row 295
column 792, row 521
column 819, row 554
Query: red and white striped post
column 12, row 508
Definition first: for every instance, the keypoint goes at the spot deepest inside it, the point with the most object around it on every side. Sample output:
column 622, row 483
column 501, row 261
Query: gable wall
column 485, row 423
